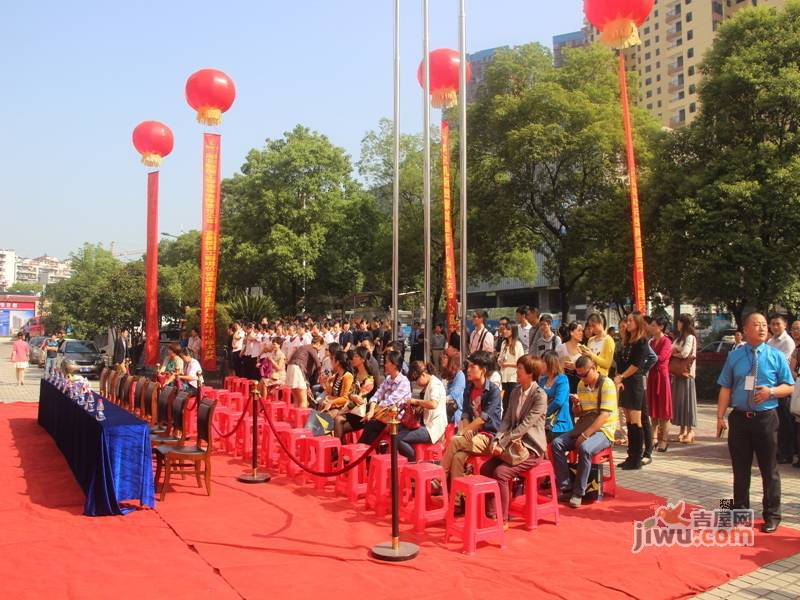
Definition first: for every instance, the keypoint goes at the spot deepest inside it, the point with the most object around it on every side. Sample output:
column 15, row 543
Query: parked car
column 84, row 353
column 710, row 359
column 37, row 354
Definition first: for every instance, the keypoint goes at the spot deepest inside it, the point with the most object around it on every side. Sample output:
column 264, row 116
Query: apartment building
column 8, row 268
column 44, row 270
column 675, row 38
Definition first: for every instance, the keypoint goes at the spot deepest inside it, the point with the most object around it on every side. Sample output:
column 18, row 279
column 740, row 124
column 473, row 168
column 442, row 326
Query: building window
column 690, row 35
column 647, row 56
column 692, row 88
column 692, row 106
column 688, row 20
column 647, row 69
column 659, row 104
column 646, row 45
column 649, row 93
column 649, row 106
column 648, row 81
column 690, row 53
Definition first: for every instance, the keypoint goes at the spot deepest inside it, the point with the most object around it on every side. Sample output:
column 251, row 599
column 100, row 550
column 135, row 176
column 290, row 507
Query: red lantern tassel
column 209, row 115
column 444, row 98
column 620, row 34
column 151, row 159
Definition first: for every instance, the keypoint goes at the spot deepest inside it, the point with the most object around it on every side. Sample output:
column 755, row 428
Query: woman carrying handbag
column 682, row 369
column 520, row 442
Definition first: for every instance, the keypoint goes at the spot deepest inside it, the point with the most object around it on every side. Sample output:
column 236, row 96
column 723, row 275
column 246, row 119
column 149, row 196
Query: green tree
column 278, row 212
column 546, row 153
column 102, row 292
column 736, row 216
column 178, row 274
column 23, row 287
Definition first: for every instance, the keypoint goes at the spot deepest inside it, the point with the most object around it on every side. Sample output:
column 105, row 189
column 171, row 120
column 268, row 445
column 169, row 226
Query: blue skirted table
column 111, row 459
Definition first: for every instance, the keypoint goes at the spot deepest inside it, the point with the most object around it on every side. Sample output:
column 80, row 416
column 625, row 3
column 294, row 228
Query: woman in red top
column 20, row 355
column 659, row 389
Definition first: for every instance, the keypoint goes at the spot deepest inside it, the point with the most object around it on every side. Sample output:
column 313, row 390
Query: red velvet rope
column 235, row 427
column 336, row 473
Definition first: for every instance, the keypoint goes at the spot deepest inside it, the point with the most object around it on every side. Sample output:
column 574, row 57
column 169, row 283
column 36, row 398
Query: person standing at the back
column 524, row 328
column 783, row 342
column 481, row 339
column 121, row 349
column 50, row 348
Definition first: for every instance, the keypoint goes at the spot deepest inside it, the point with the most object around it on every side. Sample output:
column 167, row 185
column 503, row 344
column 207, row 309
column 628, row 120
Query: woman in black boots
column 630, row 384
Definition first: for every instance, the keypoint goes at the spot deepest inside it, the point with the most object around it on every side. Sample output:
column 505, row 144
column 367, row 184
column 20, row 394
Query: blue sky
column 78, row 77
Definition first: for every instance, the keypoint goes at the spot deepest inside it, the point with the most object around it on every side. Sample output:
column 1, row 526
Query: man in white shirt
column 781, row 340
column 252, row 350
column 305, row 336
column 524, row 328
column 192, row 376
column 481, row 338
column 237, row 345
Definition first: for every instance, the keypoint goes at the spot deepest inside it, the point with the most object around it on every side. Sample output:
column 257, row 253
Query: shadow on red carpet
column 281, row 540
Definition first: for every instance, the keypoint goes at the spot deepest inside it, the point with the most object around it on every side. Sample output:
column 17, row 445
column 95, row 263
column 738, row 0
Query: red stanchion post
column 254, row 476
column 395, row 550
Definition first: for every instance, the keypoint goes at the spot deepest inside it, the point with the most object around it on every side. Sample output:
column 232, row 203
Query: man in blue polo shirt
column 753, row 378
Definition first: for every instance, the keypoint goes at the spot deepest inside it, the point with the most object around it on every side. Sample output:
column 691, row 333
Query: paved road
column 699, row 473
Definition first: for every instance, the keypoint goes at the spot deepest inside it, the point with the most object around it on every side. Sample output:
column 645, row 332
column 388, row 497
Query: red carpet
column 280, row 540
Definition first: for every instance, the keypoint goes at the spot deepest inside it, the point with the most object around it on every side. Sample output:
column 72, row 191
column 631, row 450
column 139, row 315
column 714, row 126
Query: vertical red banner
column 152, row 323
column 451, row 302
column 639, row 293
column 209, row 250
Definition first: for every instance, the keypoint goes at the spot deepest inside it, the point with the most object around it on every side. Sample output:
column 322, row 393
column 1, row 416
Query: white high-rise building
column 8, row 268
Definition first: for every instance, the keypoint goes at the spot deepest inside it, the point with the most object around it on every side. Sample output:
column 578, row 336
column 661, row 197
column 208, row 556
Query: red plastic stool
column 476, row 461
column 428, row 452
column 223, row 398
column 229, row 383
column 474, row 526
column 270, row 450
column 286, row 394
column 379, row 484
column 353, row 483
column 535, row 505
column 297, row 417
column 604, row 456
column 417, row 504
column 277, row 411
column 291, row 440
column 244, row 437
column 236, row 401
column 351, row 438
column 319, row 457
column 243, row 386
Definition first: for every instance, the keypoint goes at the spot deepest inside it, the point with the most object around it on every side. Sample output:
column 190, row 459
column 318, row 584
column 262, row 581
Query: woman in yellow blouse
column 337, row 388
column 600, row 347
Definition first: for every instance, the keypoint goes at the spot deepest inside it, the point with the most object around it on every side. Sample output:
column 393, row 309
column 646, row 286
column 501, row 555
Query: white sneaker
column 575, row 501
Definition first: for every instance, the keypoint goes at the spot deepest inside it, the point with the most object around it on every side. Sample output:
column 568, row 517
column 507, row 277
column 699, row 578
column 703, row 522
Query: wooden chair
column 163, row 410
column 172, row 459
column 104, row 375
column 139, row 388
column 111, row 386
column 176, row 425
column 148, row 409
column 124, row 397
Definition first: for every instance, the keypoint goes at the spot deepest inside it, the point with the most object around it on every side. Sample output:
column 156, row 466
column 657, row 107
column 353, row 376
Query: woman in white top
column 684, row 396
column 434, row 410
column 569, row 352
column 511, row 350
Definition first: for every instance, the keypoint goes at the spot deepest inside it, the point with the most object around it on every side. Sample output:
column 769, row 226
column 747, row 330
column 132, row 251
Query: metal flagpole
column 462, row 146
column 396, row 182
column 426, row 176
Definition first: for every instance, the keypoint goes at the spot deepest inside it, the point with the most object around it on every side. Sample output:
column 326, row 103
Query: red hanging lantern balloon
column 153, row 140
column 618, row 20
column 444, row 66
column 210, row 92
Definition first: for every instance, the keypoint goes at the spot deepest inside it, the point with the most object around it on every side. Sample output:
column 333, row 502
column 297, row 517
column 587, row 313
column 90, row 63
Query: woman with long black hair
column 511, row 351
column 630, row 384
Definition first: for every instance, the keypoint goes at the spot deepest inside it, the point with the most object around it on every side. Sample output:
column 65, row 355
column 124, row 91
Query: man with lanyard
column 754, row 377
column 50, row 347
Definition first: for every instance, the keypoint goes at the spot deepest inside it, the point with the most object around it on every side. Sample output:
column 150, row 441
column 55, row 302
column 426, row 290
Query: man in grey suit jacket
column 523, row 422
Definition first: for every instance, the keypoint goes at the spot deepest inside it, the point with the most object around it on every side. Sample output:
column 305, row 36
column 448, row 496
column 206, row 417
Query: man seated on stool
column 596, row 407
column 480, row 419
